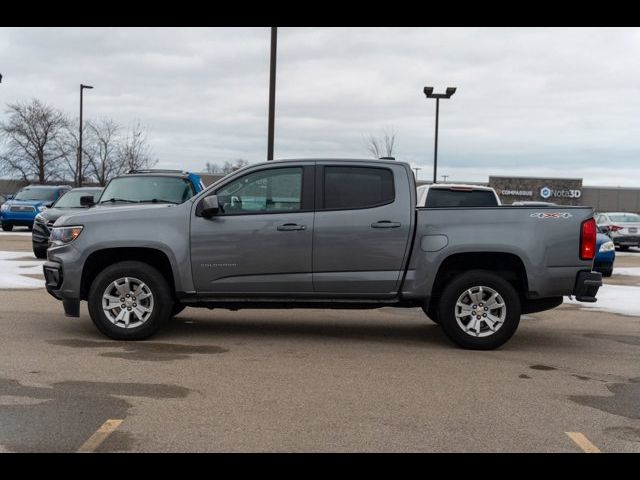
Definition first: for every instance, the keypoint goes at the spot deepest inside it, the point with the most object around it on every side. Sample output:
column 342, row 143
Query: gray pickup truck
column 322, row 234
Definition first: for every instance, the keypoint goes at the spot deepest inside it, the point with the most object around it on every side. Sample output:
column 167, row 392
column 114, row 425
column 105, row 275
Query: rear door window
column 347, row 188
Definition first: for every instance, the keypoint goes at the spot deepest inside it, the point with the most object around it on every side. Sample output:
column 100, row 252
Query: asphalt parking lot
column 313, row 380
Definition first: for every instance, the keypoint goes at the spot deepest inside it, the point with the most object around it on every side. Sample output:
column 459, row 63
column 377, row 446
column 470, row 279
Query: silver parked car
column 622, row 227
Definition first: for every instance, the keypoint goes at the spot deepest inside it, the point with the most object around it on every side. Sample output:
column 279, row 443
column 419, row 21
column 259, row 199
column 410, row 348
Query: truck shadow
column 398, row 333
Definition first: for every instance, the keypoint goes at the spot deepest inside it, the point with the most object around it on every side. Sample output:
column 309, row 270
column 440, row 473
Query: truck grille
column 23, row 208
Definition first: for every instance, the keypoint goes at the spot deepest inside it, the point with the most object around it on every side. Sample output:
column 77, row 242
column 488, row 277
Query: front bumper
column 587, row 285
column 54, row 277
column 40, row 234
column 18, row 218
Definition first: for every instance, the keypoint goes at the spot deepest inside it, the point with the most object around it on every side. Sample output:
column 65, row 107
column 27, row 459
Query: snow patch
column 621, row 299
column 632, row 252
column 15, row 234
column 628, row 271
column 13, row 271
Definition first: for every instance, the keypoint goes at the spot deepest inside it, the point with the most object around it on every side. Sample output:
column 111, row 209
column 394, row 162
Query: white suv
column 456, row 195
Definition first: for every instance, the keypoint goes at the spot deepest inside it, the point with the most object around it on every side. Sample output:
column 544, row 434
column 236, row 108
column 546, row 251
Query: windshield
column 35, row 193
column 440, row 197
column 71, row 199
column 626, row 218
column 147, row 188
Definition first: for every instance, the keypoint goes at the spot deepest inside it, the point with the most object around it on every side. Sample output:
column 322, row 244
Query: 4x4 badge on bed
column 552, row 215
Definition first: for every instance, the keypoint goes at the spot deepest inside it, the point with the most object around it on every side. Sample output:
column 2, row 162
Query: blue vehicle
column 149, row 186
column 22, row 209
column 605, row 255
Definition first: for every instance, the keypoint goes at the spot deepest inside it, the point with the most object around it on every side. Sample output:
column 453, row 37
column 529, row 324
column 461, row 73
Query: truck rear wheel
column 479, row 310
column 7, row 227
column 129, row 301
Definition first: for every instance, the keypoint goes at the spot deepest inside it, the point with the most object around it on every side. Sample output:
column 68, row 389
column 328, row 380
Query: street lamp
column 428, row 91
column 444, row 177
column 272, row 91
column 79, row 163
column 416, row 169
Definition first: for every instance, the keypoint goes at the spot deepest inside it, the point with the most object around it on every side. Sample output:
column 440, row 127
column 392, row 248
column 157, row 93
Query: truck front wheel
column 7, row 227
column 479, row 310
column 129, row 301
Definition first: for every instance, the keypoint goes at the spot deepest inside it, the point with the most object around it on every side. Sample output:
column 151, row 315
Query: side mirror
column 87, row 201
column 210, row 206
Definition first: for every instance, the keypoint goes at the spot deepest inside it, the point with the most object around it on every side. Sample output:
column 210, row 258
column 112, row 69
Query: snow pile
column 629, row 271
column 13, row 271
column 14, row 234
column 619, row 299
column 632, row 252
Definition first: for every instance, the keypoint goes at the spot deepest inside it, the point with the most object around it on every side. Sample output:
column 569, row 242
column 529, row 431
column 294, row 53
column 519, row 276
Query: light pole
column 79, row 163
column 428, row 91
column 272, row 91
column 417, row 169
column 444, row 177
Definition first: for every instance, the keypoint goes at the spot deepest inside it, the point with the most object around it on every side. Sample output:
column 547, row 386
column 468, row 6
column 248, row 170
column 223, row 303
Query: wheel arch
column 98, row 260
column 508, row 265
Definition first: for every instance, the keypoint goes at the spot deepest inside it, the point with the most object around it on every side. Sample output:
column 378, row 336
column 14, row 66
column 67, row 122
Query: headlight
column 42, row 208
column 64, row 235
column 607, row 247
column 4, row 207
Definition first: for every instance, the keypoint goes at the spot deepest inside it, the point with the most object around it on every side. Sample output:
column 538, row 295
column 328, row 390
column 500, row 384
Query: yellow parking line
column 583, row 442
column 100, row 436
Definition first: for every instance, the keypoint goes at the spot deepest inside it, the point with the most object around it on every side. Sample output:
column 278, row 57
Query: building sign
column 546, row 192
column 563, row 191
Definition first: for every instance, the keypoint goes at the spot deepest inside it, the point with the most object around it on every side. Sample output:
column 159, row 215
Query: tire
column 431, row 313
column 607, row 273
column 40, row 252
column 177, row 308
column 30, row 227
column 480, row 335
column 7, row 227
column 158, row 304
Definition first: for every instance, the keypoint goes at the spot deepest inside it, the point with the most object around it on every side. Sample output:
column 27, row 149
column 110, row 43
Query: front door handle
column 386, row 224
column 288, row 227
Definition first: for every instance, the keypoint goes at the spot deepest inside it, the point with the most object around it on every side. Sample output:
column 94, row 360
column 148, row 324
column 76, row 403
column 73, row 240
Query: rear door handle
column 288, row 227
column 386, row 224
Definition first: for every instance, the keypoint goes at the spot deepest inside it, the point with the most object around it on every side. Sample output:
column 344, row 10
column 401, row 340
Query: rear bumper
column 587, row 285
column 627, row 240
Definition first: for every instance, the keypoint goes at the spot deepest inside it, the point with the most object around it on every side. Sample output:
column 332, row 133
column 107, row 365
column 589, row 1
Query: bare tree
column 382, row 145
column 227, row 167
column 134, row 152
column 32, row 137
column 68, row 144
column 102, row 149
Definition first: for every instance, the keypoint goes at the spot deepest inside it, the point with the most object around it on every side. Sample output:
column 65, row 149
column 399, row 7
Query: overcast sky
column 544, row 102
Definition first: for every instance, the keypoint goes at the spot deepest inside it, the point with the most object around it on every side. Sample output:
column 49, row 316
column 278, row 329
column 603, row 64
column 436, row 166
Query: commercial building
column 563, row 191
column 566, row 191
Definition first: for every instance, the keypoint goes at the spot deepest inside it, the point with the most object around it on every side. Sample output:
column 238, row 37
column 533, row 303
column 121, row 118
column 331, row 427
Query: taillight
column 614, row 228
column 588, row 239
